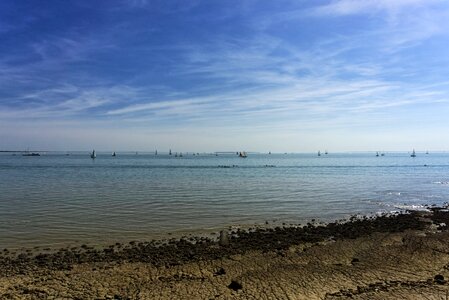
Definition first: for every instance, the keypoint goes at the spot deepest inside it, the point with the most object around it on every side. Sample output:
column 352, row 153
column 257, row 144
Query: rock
column 224, row 238
column 219, row 272
column 439, row 279
column 235, row 285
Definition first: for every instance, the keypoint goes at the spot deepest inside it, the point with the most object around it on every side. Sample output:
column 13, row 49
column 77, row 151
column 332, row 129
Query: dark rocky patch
column 440, row 216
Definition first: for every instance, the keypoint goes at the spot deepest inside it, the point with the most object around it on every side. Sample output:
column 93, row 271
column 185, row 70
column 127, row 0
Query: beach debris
column 224, row 238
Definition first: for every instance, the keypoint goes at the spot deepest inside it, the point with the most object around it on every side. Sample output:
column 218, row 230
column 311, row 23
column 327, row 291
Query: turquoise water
column 55, row 199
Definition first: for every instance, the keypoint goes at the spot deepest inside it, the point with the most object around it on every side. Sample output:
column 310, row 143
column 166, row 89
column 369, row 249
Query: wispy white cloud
column 405, row 23
column 304, row 86
column 349, row 7
column 161, row 105
column 66, row 101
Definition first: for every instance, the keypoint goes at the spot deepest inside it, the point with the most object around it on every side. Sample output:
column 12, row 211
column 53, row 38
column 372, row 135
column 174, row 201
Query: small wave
column 394, row 193
column 441, row 182
column 412, row 207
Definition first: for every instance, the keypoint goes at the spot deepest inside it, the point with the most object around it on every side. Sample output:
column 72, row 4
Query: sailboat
column 377, row 154
column 427, row 152
column 325, row 152
column 114, row 154
column 319, row 153
column 155, row 152
column 243, row 154
column 413, row 153
column 93, row 154
column 169, row 152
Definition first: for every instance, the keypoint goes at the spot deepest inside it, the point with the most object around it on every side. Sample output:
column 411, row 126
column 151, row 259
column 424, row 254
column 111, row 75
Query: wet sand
column 403, row 256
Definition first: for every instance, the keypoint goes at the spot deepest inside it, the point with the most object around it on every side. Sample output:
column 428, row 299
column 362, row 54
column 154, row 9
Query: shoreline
column 233, row 249
column 210, row 236
column 185, row 233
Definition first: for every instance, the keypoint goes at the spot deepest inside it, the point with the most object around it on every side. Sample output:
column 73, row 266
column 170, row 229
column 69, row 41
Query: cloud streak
column 350, row 7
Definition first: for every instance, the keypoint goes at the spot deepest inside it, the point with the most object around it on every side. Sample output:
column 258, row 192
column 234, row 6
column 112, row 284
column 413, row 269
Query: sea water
column 58, row 199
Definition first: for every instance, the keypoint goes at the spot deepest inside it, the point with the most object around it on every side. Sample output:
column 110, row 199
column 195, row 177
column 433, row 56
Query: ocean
column 56, row 200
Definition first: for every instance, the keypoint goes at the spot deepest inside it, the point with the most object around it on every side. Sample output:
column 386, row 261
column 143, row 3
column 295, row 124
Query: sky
column 234, row 75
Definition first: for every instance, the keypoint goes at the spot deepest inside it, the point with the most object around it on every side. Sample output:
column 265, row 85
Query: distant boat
column 93, row 154
column 269, row 152
column 169, row 152
column 382, row 154
column 28, row 153
column 413, row 153
column 243, row 154
column 325, row 152
column 155, row 152
column 180, row 154
column 427, row 152
column 31, row 154
column 114, row 154
column 377, row 154
column 319, row 153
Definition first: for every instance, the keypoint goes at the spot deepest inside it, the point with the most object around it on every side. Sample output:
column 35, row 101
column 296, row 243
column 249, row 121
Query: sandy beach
column 403, row 256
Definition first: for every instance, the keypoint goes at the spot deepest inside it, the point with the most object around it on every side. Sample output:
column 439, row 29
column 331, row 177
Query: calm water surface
column 55, row 199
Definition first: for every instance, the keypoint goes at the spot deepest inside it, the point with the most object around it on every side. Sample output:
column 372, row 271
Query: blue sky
column 224, row 75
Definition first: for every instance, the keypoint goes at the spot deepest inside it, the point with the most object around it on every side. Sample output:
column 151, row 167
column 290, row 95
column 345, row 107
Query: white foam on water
column 412, row 207
column 394, row 193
